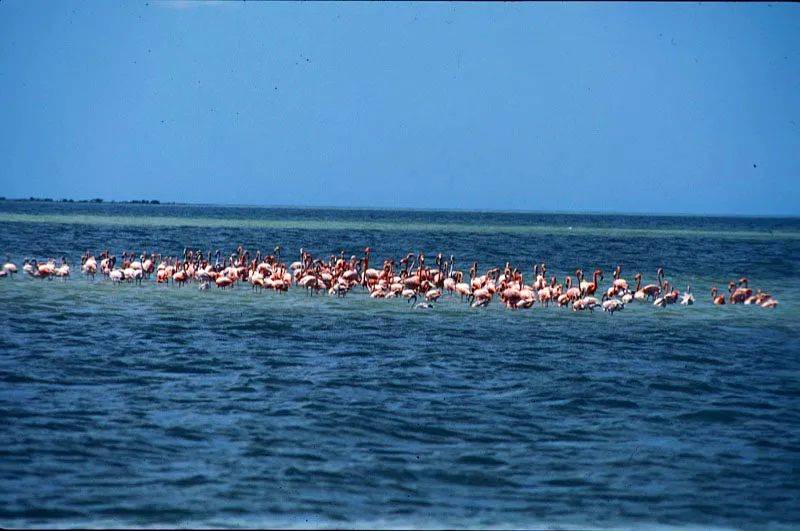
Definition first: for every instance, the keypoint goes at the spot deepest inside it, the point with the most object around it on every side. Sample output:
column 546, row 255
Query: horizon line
column 159, row 202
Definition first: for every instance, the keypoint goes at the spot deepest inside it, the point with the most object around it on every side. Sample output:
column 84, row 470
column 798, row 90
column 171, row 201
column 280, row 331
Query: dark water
column 158, row 406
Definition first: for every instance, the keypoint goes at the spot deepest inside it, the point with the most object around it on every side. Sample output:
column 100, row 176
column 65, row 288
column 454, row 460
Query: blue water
column 158, row 406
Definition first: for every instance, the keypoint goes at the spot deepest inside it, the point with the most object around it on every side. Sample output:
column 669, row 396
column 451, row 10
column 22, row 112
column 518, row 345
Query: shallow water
column 154, row 405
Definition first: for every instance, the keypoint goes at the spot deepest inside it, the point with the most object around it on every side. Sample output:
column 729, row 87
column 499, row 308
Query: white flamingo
column 9, row 268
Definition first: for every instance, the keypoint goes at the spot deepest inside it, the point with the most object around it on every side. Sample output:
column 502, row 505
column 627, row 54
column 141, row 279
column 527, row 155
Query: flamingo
column 136, row 276
column 739, row 295
column 138, row 262
column 475, row 282
column 340, row 289
column 370, row 274
column 720, row 300
column 524, row 303
column 547, row 293
column 63, row 270
column 421, row 305
column 611, row 304
column 89, row 265
column 32, row 268
column 256, row 280
column 590, row 303
column 105, row 261
column 180, row 277
column 511, row 297
column 46, row 270
column 758, row 298
column 620, row 284
column 412, row 279
column 649, row 291
column 462, row 288
column 540, row 282
column 223, row 281
column 378, row 293
column 572, row 293
column 687, row 299
column 294, row 266
column 433, row 294
column 449, row 285
column 762, row 297
column 148, row 265
column 588, row 288
column 9, row 268
column 580, row 305
column 478, row 302
column 526, row 292
column 564, row 300
column 665, row 299
column 627, row 297
column 129, row 271
column 116, row 275
column 671, row 297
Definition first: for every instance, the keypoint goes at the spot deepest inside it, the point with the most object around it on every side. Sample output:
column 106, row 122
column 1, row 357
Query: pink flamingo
column 649, row 291
column 572, row 293
column 620, row 284
column 433, row 294
column 719, row 300
column 180, row 277
column 739, row 295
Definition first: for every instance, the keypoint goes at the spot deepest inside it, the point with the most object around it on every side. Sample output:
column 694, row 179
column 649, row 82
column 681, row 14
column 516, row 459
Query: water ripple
column 147, row 406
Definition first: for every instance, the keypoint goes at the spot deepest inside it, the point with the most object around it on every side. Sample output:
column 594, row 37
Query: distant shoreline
column 411, row 209
column 95, row 200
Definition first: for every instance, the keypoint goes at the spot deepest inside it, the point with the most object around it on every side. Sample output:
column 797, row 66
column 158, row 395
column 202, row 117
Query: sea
column 165, row 406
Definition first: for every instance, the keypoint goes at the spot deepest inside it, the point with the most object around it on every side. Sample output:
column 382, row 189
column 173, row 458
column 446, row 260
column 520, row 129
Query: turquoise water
column 154, row 405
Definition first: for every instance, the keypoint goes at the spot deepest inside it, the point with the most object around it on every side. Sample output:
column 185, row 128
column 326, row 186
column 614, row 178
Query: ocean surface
column 153, row 405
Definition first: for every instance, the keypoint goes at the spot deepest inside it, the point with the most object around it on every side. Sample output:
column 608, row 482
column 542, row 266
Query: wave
column 316, row 522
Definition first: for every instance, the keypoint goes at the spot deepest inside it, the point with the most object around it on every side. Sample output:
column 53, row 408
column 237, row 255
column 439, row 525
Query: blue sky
column 627, row 107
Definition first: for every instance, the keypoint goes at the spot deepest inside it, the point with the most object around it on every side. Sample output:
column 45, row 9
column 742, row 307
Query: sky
column 680, row 108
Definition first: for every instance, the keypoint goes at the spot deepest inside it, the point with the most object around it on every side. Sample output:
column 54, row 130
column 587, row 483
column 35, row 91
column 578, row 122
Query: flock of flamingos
column 409, row 278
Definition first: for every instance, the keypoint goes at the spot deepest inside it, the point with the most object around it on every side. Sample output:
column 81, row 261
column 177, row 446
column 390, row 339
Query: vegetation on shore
column 96, row 200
